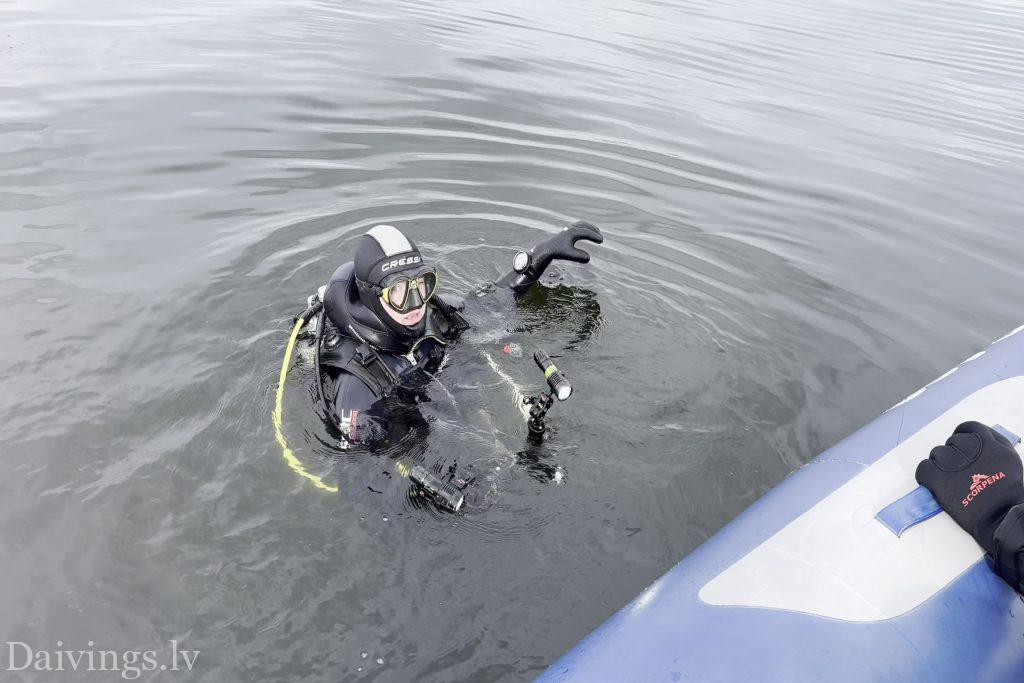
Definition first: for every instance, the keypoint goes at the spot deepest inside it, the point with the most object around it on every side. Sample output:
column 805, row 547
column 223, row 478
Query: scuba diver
column 389, row 329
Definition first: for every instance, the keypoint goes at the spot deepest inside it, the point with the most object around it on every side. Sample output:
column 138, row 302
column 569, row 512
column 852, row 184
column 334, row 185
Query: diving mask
column 405, row 293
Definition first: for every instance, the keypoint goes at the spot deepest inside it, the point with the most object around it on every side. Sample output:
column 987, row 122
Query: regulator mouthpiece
column 446, row 494
column 560, row 386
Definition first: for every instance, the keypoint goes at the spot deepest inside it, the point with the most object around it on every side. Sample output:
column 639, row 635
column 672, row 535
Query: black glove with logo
column 977, row 477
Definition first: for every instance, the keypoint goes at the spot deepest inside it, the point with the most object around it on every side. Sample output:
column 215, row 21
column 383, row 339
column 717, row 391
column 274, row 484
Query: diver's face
column 408, row 318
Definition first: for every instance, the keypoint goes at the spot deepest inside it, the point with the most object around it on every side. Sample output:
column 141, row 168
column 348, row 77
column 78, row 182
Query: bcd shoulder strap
column 369, row 367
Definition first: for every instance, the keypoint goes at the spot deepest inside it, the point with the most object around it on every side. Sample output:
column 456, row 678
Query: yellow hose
column 289, row 456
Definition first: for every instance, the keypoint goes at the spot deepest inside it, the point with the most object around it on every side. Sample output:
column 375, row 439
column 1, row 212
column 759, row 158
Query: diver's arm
column 529, row 266
column 358, row 423
column 978, row 479
column 1008, row 548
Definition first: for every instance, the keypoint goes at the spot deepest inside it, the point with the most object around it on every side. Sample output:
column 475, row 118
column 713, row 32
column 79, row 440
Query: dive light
column 445, row 493
column 556, row 380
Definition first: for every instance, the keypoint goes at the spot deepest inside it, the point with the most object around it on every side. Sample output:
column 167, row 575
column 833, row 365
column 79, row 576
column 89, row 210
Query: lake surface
column 810, row 210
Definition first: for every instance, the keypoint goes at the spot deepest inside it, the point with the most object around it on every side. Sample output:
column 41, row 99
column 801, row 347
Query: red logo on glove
column 979, row 482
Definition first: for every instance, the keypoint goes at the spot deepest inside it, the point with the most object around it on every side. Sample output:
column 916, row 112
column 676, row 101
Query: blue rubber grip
column 919, row 504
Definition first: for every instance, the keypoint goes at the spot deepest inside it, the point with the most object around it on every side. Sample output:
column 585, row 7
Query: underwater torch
column 560, row 386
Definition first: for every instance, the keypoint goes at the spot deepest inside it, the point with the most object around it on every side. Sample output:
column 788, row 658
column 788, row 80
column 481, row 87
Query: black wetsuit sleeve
column 1008, row 548
column 355, row 406
column 561, row 245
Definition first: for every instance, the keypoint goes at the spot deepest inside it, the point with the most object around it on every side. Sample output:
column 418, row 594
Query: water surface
column 810, row 210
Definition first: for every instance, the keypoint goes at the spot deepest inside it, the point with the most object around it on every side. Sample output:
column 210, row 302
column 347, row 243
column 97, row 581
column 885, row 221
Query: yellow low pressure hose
column 289, row 456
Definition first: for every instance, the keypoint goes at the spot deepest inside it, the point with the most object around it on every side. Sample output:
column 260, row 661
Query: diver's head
column 393, row 281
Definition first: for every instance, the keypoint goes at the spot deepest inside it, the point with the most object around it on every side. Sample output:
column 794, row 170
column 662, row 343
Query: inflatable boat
column 846, row 571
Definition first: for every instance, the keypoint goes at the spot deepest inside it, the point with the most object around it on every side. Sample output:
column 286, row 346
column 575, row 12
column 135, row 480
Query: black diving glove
column 530, row 266
column 977, row 477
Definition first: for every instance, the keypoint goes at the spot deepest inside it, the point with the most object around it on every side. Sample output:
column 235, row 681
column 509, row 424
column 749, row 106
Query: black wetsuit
column 377, row 371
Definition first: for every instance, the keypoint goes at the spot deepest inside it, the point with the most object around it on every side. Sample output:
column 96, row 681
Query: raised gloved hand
column 976, row 477
column 530, row 266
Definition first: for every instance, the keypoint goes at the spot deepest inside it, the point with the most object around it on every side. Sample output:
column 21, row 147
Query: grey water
column 810, row 209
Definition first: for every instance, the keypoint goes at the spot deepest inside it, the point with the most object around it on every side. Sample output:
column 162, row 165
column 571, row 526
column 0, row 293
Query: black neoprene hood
column 384, row 251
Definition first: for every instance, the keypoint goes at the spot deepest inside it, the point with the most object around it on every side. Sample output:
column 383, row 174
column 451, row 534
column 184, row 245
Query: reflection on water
column 810, row 210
